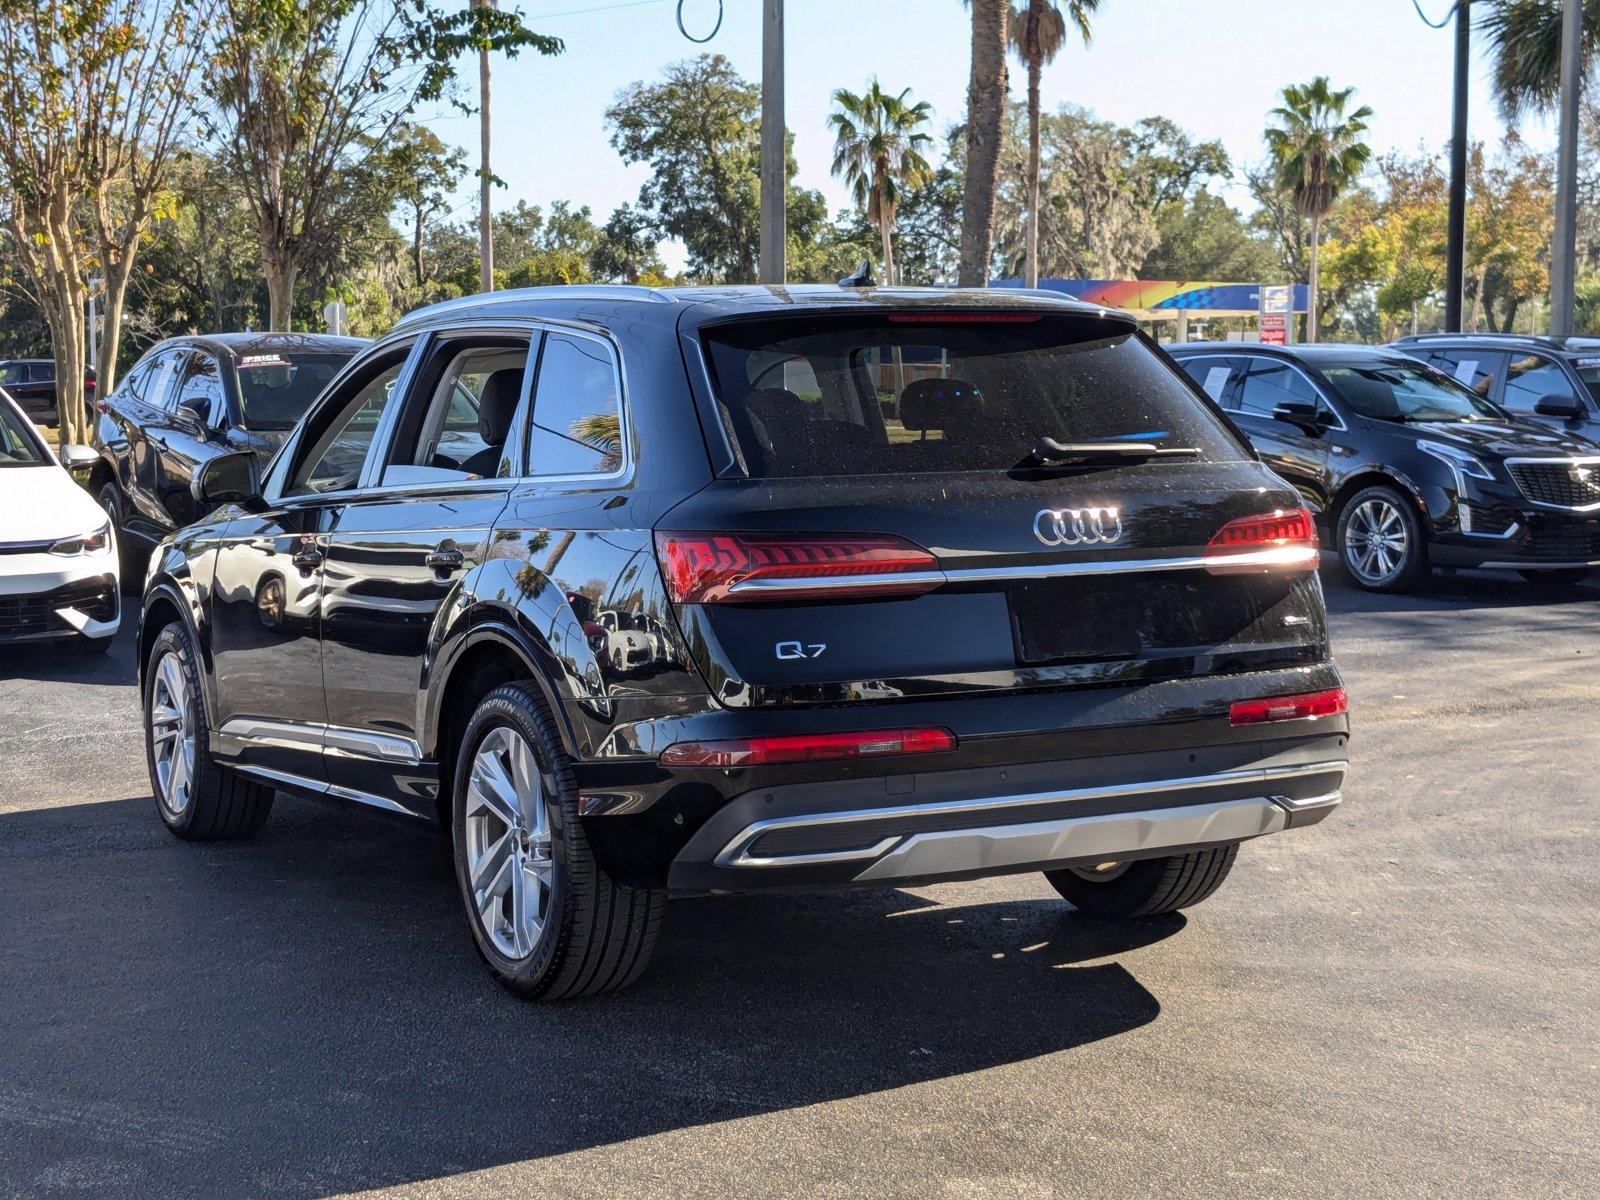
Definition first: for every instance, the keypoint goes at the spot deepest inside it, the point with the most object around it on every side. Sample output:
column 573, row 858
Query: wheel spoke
column 486, row 870
column 492, row 788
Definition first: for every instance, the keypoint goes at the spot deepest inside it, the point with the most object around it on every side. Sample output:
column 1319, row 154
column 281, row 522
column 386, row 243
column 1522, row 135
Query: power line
column 1441, row 23
column 599, row 8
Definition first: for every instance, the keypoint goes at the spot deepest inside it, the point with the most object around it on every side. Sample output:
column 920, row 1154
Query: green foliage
column 1525, row 48
column 1317, row 146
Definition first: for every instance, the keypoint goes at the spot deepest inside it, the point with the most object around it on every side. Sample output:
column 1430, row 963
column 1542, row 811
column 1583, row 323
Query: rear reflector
column 1282, row 540
column 1306, row 707
column 807, row 747
column 741, row 568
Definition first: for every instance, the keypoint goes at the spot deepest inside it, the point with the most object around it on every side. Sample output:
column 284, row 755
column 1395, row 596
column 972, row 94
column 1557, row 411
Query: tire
column 570, row 931
column 1146, row 887
column 1382, row 543
column 1562, row 577
column 215, row 802
column 129, row 576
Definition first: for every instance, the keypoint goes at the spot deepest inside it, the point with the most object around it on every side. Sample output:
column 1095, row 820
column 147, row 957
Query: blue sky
column 1215, row 66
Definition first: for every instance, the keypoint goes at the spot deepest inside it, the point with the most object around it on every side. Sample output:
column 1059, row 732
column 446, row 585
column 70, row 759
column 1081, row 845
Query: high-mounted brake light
column 1282, row 540
column 969, row 318
column 741, row 568
column 807, row 747
column 1308, row 706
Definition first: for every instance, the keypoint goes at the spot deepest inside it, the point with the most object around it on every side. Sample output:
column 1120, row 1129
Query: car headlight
column 86, row 543
column 1461, row 463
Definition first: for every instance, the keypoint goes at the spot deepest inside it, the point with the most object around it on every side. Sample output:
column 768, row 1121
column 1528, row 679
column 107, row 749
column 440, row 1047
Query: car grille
column 1579, row 543
column 27, row 616
column 1570, row 485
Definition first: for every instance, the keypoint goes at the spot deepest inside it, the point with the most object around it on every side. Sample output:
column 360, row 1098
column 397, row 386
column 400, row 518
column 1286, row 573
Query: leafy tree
column 1204, row 237
column 879, row 143
column 986, row 113
column 305, row 94
column 1318, row 152
column 929, row 220
column 95, row 97
column 626, row 250
column 1525, row 48
column 426, row 172
column 1038, row 31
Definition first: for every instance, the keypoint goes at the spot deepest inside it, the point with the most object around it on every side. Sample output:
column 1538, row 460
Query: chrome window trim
column 734, row 853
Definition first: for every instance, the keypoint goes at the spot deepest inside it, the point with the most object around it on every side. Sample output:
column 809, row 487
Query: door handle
column 308, row 558
column 446, row 560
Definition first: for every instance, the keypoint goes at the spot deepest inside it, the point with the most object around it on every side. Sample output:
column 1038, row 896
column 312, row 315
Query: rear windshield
column 912, row 392
column 276, row 389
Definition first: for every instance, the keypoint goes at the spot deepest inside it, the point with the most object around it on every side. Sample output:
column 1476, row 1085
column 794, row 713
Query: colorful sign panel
column 1157, row 294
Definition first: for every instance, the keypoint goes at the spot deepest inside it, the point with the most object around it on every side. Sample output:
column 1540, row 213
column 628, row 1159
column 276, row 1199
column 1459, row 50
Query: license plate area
column 1113, row 618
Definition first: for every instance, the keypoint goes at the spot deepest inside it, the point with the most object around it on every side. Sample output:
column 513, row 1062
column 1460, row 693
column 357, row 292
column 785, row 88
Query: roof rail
column 604, row 291
column 1505, row 337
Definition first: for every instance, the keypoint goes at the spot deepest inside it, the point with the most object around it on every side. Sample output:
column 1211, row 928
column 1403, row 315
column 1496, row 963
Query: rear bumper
column 960, row 825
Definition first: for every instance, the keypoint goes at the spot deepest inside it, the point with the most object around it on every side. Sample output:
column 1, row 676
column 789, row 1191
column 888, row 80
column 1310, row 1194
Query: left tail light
column 1282, row 540
column 744, row 568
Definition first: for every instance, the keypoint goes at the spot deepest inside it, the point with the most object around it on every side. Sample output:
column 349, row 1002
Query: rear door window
column 915, row 391
column 1217, row 376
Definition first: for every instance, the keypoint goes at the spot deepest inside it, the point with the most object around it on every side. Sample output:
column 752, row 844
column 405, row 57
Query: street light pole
column 1563, row 267
column 1456, row 230
column 774, row 176
column 485, row 219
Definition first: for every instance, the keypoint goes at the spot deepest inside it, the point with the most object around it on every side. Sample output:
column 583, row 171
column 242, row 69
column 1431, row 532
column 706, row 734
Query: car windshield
column 19, row 444
column 1392, row 391
column 275, row 390
column 922, row 391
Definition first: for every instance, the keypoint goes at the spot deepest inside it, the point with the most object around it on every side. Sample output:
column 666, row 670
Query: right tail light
column 1282, row 540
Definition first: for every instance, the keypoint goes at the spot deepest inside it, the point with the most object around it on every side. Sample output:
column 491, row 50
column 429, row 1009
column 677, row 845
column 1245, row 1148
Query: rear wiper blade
column 1047, row 452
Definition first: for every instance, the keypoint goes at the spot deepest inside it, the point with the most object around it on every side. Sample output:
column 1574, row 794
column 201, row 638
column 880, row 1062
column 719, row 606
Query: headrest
column 938, row 403
column 775, row 407
column 498, row 405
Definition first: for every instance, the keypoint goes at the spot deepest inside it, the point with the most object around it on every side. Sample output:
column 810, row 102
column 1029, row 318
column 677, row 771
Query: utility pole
column 1456, row 231
column 1563, row 268
column 774, row 180
column 485, row 226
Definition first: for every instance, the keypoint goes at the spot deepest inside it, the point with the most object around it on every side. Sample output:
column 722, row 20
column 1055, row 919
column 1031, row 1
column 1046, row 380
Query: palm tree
column 1317, row 150
column 1525, row 47
column 878, row 147
column 1038, row 31
column 986, row 101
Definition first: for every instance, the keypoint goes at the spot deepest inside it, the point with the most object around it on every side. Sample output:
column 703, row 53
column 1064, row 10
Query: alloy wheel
column 172, row 734
column 509, row 849
column 1376, row 544
column 1103, row 872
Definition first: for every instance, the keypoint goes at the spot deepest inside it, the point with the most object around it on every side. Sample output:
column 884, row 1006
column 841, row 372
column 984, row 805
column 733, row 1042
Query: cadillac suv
column 931, row 585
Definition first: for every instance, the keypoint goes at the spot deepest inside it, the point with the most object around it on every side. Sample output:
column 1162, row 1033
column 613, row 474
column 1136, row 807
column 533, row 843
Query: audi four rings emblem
column 1078, row 526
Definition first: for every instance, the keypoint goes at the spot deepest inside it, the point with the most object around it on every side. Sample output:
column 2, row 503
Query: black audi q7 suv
column 734, row 589
column 1406, row 468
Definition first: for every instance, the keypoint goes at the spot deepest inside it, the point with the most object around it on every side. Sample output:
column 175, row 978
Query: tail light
column 1282, row 540
column 807, row 747
column 739, row 568
column 1306, row 707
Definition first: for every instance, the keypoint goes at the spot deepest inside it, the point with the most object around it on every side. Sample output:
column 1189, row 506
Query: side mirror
column 1298, row 412
column 226, row 479
column 1566, row 408
column 75, row 457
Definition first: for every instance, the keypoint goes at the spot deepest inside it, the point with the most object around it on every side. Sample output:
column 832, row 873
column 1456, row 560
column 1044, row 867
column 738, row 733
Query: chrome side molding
column 337, row 740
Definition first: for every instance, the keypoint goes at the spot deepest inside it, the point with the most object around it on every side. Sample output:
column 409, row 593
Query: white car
column 58, row 555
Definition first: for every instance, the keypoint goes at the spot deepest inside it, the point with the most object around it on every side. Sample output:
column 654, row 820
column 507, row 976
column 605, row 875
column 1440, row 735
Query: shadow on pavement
column 302, row 1014
column 58, row 662
column 1463, row 590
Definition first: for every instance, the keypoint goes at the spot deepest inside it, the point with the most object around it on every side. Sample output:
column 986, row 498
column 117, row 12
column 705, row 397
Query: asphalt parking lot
column 1402, row 1001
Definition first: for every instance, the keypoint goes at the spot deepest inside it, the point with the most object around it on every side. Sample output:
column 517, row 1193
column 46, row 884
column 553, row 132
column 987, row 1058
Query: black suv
column 1553, row 381
column 734, row 589
column 31, row 382
column 1407, row 468
column 188, row 400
